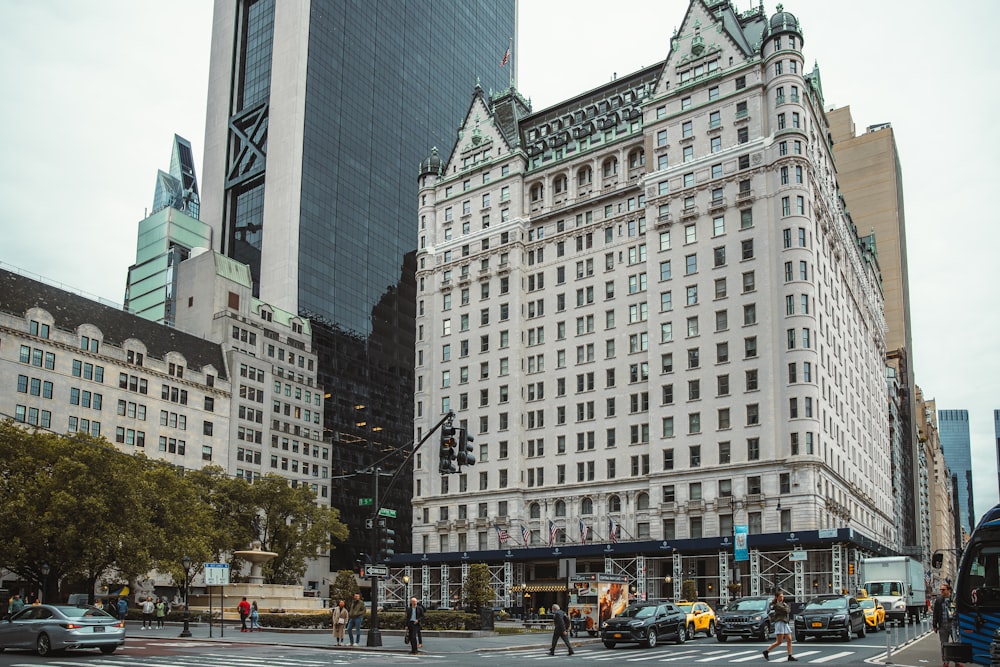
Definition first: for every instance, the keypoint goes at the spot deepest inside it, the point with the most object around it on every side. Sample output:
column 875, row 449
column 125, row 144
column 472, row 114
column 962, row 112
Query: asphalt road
column 163, row 648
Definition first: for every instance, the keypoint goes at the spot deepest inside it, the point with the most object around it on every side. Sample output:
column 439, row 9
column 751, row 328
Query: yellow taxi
column 700, row 618
column 874, row 613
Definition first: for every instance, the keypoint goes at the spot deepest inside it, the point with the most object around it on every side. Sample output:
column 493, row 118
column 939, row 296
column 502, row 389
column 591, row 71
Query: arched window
column 587, row 506
column 537, row 192
column 642, row 501
column 609, row 167
column 585, row 176
column 559, row 184
column 560, row 508
column 614, row 504
column 534, row 511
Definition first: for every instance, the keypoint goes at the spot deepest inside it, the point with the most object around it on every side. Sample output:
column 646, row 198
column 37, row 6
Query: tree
column 343, row 587
column 478, row 593
column 689, row 590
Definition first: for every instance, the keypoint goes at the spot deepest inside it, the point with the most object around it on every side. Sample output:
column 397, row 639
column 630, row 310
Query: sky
column 95, row 91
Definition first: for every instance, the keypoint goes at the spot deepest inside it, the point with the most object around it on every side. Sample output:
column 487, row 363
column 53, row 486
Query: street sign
column 362, row 502
column 385, row 511
column 377, row 571
column 216, row 574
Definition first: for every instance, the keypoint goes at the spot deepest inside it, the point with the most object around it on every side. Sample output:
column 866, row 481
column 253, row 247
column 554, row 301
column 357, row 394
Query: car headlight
column 758, row 617
column 635, row 624
column 899, row 605
column 604, row 625
column 838, row 617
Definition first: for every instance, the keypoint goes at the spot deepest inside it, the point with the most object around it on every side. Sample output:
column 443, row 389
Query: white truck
column 898, row 583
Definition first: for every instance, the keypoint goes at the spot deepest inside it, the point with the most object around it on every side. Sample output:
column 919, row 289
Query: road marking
column 730, row 656
column 828, row 658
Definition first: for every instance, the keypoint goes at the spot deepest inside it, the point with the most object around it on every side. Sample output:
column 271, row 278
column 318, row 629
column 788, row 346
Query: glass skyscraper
column 953, row 427
column 319, row 114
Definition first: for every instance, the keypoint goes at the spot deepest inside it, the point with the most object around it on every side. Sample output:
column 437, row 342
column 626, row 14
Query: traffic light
column 386, row 543
column 465, row 456
column 448, row 445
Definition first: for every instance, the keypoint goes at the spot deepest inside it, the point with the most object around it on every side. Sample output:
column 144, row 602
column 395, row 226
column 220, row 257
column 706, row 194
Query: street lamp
column 45, row 569
column 186, row 632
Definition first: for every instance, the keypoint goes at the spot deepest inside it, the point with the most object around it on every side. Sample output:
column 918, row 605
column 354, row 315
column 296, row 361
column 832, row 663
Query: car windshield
column 831, row 603
column 878, row 588
column 867, row 604
column 83, row 612
column 686, row 608
column 747, row 605
column 639, row 612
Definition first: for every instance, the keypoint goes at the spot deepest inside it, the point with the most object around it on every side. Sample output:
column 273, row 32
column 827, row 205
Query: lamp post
column 186, row 631
column 45, row 569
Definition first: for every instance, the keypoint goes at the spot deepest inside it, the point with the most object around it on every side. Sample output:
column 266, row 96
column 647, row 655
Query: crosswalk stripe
column 729, row 656
column 828, row 658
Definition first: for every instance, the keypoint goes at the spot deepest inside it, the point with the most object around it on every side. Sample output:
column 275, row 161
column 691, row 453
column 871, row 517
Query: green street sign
column 364, row 501
column 387, row 513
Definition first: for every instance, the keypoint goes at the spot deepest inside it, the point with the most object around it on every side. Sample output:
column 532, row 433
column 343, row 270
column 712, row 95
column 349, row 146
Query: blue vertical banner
column 740, row 539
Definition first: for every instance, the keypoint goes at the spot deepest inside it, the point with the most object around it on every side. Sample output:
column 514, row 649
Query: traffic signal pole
column 374, row 633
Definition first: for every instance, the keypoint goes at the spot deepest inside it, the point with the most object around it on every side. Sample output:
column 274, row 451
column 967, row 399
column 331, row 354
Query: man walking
column 414, row 615
column 560, row 629
column 941, row 620
column 355, row 615
column 147, row 613
column 244, row 608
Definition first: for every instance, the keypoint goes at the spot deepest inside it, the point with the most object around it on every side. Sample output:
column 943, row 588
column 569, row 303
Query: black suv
column 645, row 624
column 744, row 617
column 830, row 615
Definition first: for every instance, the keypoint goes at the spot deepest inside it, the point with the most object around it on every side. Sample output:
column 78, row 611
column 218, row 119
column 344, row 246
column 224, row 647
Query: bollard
column 888, row 646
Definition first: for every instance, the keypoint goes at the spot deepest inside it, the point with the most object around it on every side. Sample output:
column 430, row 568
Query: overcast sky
column 94, row 92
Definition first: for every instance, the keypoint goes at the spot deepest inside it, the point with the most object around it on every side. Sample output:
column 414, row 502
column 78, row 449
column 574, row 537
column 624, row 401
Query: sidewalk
column 392, row 640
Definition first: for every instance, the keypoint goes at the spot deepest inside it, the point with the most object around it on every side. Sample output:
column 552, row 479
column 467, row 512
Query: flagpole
column 510, row 63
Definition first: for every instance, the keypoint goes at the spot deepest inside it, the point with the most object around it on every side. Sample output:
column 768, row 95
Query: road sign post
column 216, row 574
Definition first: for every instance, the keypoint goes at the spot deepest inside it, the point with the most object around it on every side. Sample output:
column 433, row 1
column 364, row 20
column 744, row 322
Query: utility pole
column 374, row 634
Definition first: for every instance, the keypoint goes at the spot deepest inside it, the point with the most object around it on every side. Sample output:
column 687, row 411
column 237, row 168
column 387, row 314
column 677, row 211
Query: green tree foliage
column 91, row 512
column 689, row 589
column 477, row 592
column 344, row 587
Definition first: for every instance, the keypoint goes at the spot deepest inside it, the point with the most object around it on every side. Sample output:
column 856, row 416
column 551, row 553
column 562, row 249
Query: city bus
column 977, row 593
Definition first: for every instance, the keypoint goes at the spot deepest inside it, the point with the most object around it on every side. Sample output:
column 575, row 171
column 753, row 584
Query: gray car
column 46, row 628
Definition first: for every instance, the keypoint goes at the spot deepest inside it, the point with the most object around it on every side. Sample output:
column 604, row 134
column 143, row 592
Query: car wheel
column 882, row 627
column 800, row 637
column 691, row 631
column 711, row 629
column 108, row 650
column 681, row 634
column 862, row 631
column 846, row 635
column 721, row 637
column 609, row 644
column 43, row 645
column 651, row 639
column 765, row 632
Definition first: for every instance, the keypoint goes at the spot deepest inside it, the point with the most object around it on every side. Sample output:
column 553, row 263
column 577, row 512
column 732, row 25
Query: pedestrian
column 244, row 609
column 148, row 609
column 161, row 612
column 254, row 617
column 355, row 615
column 16, row 604
column 122, row 608
column 560, row 629
column 414, row 615
column 782, row 632
column 99, row 603
column 941, row 619
column 339, row 622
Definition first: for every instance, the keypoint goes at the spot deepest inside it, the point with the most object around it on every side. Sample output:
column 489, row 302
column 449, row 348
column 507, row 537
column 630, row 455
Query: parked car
column 823, row 615
column 745, row 617
column 700, row 618
column 874, row 613
column 646, row 624
column 46, row 628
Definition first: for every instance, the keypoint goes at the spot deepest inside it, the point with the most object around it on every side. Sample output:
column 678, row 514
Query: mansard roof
column 18, row 294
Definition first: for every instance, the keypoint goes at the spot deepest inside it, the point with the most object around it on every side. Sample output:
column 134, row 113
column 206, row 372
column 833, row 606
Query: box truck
column 898, row 583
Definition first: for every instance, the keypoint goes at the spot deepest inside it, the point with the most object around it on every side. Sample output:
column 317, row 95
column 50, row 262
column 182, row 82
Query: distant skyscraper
column 957, row 446
column 319, row 114
column 996, row 434
column 166, row 238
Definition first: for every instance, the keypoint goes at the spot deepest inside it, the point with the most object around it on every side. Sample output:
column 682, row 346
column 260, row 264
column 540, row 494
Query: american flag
column 553, row 531
column 525, row 535
column 583, row 532
column 612, row 531
column 502, row 534
column 506, row 57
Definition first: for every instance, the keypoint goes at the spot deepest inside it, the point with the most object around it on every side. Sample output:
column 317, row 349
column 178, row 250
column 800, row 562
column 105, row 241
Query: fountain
column 268, row 596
